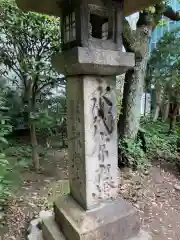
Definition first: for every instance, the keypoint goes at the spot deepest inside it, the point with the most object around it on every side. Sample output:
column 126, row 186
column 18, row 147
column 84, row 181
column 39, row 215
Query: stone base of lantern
column 116, row 220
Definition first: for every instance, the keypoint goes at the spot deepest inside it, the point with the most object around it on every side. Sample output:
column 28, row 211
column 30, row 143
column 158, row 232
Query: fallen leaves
column 16, row 220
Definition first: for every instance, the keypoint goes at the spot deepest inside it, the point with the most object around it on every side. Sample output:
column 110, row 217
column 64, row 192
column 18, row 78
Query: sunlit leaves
column 152, row 9
column 163, row 22
column 165, row 61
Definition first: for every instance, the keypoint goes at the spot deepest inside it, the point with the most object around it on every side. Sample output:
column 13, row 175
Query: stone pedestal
column 110, row 220
column 93, row 210
column 92, row 139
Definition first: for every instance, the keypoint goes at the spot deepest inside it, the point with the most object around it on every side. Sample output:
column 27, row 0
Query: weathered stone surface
column 51, row 230
column 44, row 214
column 111, row 220
column 35, row 236
column 93, row 61
column 34, row 225
column 92, row 139
column 142, row 236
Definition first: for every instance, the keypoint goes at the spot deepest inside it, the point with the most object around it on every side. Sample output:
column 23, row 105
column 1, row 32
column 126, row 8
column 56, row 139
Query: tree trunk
column 165, row 111
column 172, row 123
column 128, row 123
column 172, row 117
column 129, row 119
column 158, row 102
column 156, row 113
column 29, row 100
column 35, row 155
column 165, row 104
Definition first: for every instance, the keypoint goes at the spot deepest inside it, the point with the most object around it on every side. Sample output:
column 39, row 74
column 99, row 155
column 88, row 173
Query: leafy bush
column 4, row 180
column 51, row 119
column 134, row 154
column 5, row 128
column 20, row 155
column 159, row 144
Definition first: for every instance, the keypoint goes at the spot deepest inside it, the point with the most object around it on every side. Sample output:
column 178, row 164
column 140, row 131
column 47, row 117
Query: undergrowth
column 159, row 144
column 20, row 155
column 9, row 174
column 5, row 169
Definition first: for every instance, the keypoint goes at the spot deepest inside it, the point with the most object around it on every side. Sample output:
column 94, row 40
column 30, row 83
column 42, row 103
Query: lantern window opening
column 100, row 22
column 98, row 27
column 70, row 28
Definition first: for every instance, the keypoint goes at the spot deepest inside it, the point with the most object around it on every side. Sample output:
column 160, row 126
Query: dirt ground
column 156, row 195
column 161, row 212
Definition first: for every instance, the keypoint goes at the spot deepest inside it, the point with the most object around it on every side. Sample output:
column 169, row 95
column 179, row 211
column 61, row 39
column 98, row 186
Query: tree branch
column 49, row 83
column 171, row 14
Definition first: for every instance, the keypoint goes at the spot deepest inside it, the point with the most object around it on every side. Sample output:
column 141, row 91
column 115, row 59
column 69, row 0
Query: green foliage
column 5, row 128
column 27, row 43
column 163, row 22
column 4, row 181
column 160, row 143
column 28, row 40
column 133, row 152
column 156, row 11
column 19, row 151
column 118, row 104
column 52, row 116
column 164, row 72
column 165, row 61
column 12, row 103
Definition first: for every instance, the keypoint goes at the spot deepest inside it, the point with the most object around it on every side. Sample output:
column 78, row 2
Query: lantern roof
column 51, row 7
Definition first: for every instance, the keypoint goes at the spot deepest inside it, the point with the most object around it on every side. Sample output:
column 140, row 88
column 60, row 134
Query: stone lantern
column 91, row 36
column 91, row 57
column 85, row 23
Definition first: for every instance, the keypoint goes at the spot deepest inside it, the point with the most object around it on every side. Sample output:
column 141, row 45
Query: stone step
column 113, row 220
column 50, row 225
column 51, row 230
